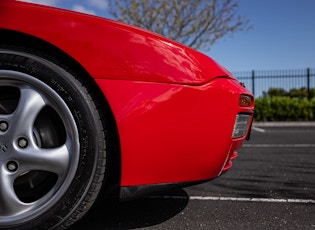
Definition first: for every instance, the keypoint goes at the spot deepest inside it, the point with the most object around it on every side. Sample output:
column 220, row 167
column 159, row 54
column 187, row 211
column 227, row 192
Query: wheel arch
column 14, row 39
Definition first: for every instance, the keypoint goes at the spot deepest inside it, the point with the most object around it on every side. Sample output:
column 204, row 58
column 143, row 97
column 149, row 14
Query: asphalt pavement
column 270, row 186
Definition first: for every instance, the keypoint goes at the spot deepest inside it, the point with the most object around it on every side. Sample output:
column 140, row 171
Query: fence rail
column 259, row 82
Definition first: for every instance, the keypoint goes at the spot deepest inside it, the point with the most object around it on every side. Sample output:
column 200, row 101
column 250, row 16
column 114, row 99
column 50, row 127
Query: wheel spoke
column 9, row 202
column 55, row 160
column 30, row 104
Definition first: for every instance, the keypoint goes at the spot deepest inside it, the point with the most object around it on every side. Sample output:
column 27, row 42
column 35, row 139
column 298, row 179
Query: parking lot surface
column 270, row 186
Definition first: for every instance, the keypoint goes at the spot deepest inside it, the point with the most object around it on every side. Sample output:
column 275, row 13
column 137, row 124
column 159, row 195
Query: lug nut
column 3, row 126
column 12, row 166
column 22, row 142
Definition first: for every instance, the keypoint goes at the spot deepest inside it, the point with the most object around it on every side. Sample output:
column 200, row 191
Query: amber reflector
column 244, row 101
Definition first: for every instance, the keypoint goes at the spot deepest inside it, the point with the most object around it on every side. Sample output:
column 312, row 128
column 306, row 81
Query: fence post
column 253, row 82
column 308, row 76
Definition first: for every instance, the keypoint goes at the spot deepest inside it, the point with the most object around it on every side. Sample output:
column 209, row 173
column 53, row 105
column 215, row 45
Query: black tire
column 52, row 143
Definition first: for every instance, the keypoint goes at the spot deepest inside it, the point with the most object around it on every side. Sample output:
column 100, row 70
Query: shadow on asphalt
column 144, row 212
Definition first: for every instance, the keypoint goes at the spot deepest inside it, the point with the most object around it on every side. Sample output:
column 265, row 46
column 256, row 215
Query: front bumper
column 173, row 133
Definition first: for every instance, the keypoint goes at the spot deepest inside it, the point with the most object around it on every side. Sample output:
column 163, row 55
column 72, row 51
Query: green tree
column 195, row 23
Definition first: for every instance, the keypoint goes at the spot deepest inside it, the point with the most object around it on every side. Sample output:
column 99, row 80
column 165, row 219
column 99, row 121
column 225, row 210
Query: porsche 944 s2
column 90, row 106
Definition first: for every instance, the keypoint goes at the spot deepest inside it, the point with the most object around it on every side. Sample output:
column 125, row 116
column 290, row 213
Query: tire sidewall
column 77, row 99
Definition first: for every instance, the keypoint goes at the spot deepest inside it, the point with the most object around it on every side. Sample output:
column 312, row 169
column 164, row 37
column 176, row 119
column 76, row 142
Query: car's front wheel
column 52, row 143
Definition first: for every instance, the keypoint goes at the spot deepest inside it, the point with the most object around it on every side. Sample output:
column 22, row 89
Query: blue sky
column 283, row 37
column 283, row 34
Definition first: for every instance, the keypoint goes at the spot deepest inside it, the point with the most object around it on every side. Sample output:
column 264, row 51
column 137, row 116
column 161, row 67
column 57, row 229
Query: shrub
column 292, row 93
column 278, row 108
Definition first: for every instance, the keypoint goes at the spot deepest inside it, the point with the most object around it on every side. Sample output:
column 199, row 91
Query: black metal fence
column 259, row 82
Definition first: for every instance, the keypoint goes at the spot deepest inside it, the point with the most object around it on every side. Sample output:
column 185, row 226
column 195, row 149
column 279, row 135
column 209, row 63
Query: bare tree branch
column 196, row 23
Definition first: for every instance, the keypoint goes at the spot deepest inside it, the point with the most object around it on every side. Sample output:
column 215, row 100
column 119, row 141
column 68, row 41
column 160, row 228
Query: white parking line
column 259, row 129
column 279, row 145
column 241, row 199
column 267, row 200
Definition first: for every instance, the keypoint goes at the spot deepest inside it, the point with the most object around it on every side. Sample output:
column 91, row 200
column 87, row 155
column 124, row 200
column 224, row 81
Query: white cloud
column 100, row 4
column 42, row 2
column 82, row 9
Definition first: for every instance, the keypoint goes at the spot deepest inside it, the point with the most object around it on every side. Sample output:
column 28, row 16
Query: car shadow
column 144, row 212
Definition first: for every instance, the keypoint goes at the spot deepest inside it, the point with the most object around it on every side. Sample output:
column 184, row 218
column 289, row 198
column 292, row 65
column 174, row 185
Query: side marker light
column 244, row 101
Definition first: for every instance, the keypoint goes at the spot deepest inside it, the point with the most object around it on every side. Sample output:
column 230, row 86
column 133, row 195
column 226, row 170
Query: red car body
column 175, row 109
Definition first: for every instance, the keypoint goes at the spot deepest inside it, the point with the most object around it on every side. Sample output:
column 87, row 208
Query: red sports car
column 90, row 106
